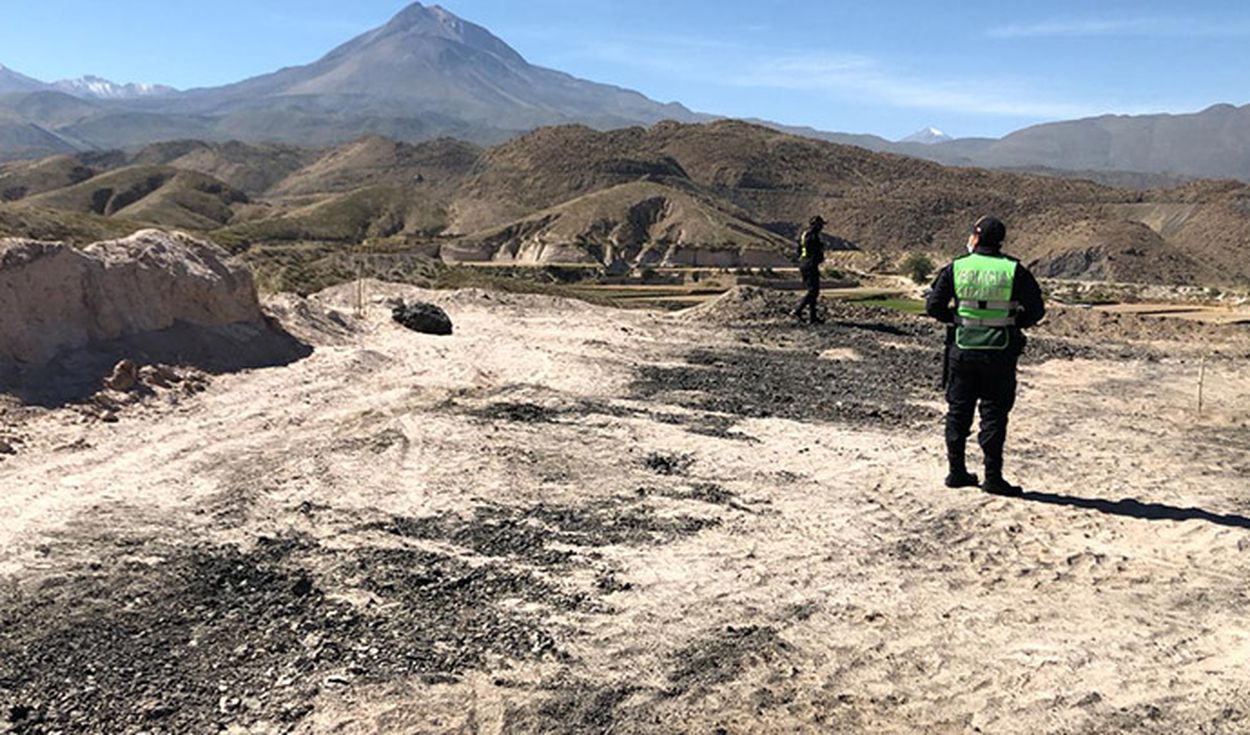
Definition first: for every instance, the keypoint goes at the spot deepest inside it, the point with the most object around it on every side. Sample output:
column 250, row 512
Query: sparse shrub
column 834, row 274
column 918, row 267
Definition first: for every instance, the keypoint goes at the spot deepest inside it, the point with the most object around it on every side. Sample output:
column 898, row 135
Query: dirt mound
column 737, row 303
column 160, row 296
column 56, row 297
column 751, row 304
column 312, row 323
column 1101, row 326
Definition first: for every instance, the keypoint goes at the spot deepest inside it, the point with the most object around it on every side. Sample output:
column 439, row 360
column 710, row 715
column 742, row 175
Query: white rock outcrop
column 55, row 297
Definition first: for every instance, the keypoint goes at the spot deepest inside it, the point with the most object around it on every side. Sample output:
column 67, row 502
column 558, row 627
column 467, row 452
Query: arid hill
column 373, row 160
column 641, row 223
column 573, row 192
column 159, row 195
column 253, row 169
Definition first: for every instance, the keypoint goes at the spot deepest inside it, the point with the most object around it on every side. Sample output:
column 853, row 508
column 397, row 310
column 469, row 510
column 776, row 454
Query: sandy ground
column 576, row 519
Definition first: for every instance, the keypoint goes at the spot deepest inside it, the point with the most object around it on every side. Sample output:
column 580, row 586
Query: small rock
column 158, row 376
column 1089, row 700
column 124, row 378
column 297, row 712
column 6, row 447
column 302, row 587
column 159, row 711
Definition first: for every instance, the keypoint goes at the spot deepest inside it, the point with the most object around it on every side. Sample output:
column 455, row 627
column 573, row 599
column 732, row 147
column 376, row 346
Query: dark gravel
column 798, row 384
column 723, row 656
column 213, row 636
column 775, row 369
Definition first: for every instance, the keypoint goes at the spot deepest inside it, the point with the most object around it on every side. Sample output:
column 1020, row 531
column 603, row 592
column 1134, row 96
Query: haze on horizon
column 970, row 69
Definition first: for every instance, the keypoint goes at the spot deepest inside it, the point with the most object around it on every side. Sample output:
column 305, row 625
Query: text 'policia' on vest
column 984, row 310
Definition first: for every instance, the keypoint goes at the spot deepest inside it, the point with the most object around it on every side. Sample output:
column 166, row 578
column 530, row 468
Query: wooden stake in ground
column 360, row 289
column 1202, row 381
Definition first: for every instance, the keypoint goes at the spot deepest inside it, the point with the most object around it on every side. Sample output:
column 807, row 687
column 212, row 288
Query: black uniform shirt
column 1024, row 291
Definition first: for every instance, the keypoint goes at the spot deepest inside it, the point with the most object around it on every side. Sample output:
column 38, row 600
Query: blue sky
column 887, row 67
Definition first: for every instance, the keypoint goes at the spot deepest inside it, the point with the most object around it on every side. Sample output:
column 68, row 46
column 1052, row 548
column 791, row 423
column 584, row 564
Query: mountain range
column 428, row 74
column 721, row 194
column 93, row 87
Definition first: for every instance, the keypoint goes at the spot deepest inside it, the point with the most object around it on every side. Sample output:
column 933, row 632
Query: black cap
column 991, row 232
column 817, row 220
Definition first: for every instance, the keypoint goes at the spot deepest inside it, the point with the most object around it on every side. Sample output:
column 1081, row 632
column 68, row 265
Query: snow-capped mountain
column 928, row 136
column 93, row 87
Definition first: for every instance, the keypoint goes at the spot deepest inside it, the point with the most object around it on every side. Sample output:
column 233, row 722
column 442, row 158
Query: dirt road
column 576, row 519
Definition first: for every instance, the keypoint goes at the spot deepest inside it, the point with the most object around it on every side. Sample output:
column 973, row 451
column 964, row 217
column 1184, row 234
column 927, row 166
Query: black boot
column 962, row 478
column 816, row 318
column 996, row 485
column 959, row 476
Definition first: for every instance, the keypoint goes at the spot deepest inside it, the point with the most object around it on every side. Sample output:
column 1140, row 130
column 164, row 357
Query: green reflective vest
column 984, row 310
column 810, row 246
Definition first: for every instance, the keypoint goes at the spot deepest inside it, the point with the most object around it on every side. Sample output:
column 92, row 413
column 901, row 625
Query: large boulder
column 422, row 317
column 54, row 297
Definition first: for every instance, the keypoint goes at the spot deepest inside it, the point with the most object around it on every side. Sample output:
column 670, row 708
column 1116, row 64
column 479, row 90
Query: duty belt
column 1006, row 321
column 987, row 305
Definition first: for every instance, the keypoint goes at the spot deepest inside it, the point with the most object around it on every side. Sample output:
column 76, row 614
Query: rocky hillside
column 641, row 223
column 728, row 193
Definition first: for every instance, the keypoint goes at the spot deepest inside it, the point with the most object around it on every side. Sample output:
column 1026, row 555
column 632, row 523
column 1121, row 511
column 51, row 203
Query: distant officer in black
column 811, row 255
column 988, row 298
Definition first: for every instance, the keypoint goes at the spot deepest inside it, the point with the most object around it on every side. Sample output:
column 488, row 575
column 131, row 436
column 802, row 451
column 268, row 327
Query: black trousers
column 811, row 281
column 991, row 383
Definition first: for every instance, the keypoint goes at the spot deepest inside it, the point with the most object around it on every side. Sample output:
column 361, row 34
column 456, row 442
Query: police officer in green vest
column 988, row 298
column 811, row 255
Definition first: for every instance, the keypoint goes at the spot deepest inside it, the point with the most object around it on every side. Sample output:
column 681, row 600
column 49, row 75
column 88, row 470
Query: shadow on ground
column 1132, row 508
column 76, row 375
